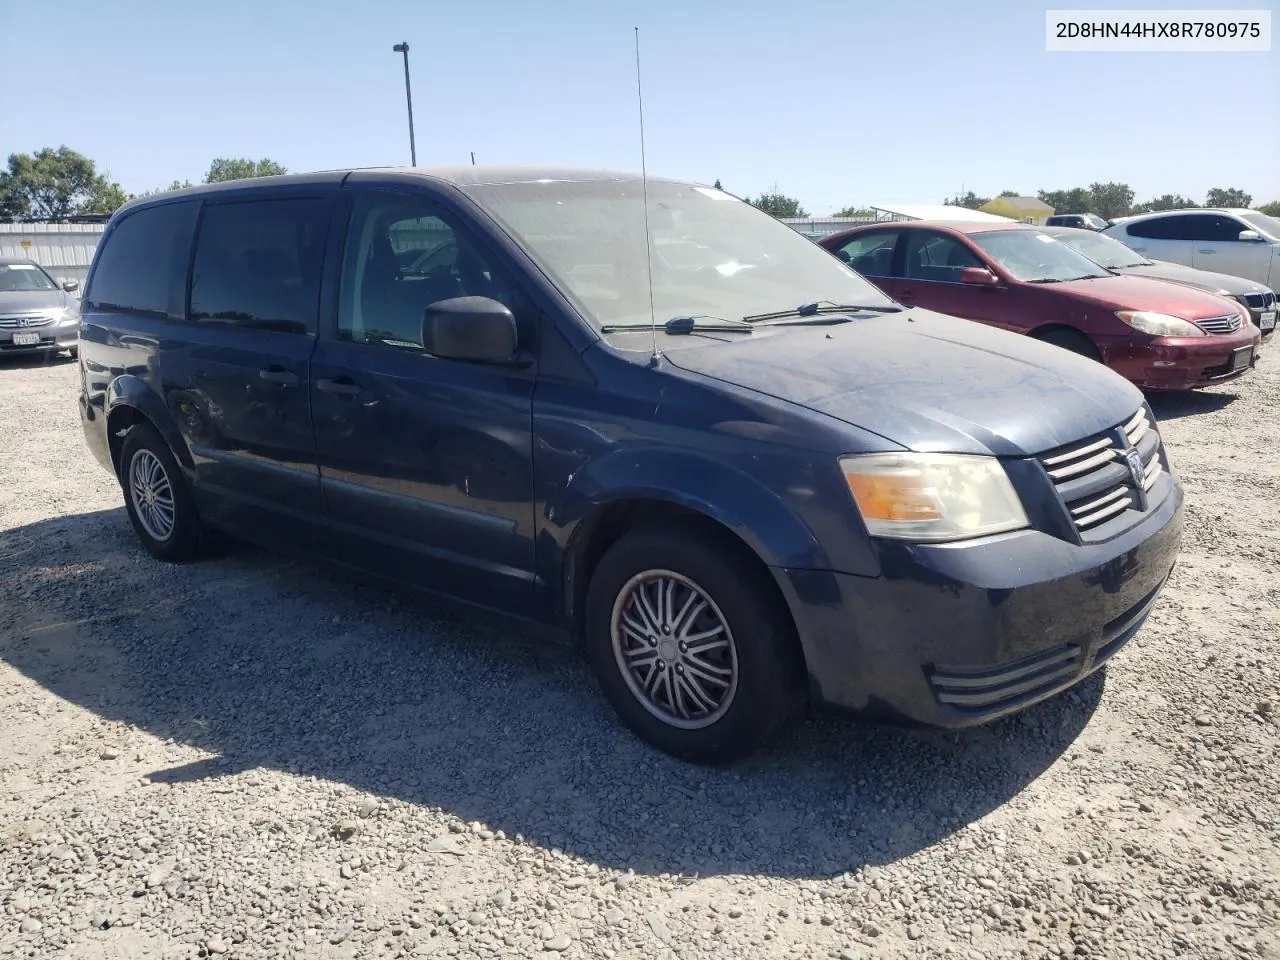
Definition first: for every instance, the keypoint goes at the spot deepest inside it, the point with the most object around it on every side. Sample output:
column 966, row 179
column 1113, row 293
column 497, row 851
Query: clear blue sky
column 835, row 102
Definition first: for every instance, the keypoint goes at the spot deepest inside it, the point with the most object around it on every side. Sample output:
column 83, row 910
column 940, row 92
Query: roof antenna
column 644, row 191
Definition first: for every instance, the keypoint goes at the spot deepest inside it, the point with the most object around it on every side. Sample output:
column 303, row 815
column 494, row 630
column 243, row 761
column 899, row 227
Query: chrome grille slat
column 24, row 321
column 1083, row 466
column 1093, row 479
column 1085, row 508
column 1220, row 324
column 1095, row 518
column 1081, row 451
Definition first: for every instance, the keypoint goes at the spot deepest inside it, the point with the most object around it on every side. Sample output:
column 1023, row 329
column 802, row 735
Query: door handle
column 1206, row 251
column 343, row 387
column 285, row 378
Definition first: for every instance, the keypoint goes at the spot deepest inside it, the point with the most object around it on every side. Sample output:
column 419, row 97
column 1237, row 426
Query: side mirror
column 71, row 286
column 469, row 328
column 1249, row 235
column 979, row 277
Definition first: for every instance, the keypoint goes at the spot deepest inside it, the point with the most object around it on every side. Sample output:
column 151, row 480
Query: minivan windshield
column 16, row 277
column 1103, row 251
column 713, row 255
column 1035, row 257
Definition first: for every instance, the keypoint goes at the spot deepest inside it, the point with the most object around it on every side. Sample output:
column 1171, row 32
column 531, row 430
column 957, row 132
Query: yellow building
column 1026, row 209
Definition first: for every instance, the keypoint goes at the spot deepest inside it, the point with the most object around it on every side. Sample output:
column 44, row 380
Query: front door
column 426, row 464
column 1219, row 248
column 236, row 377
column 930, row 278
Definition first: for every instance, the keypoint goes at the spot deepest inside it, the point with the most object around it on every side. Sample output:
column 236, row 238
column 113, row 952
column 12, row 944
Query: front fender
column 131, row 391
column 712, row 488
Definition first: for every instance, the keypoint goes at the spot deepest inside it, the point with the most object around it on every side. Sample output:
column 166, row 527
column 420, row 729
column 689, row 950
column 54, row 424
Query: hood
column 928, row 382
column 31, row 301
column 1127, row 292
column 1222, row 284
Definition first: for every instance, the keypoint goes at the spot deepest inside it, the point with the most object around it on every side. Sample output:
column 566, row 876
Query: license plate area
column 26, row 339
column 1241, row 358
column 1268, row 320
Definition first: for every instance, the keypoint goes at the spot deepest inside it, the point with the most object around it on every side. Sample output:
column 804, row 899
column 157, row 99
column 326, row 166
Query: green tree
column 1166, row 201
column 1110, row 200
column 223, row 169
column 969, row 200
column 778, row 205
column 855, row 212
column 175, row 185
column 1271, row 209
column 1075, row 200
column 1227, row 197
column 53, row 184
column 1010, row 193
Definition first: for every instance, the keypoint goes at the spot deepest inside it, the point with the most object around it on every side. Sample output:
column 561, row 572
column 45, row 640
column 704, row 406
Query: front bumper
column 959, row 634
column 52, row 338
column 1184, row 363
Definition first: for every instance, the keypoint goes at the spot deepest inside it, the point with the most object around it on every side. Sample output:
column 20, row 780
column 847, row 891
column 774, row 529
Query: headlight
column 1159, row 324
column 932, row 496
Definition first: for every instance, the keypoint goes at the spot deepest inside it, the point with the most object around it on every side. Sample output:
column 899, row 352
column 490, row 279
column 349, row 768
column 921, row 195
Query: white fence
column 64, row 249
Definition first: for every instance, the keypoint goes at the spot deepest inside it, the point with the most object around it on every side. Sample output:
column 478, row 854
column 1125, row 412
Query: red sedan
column 1159, row 335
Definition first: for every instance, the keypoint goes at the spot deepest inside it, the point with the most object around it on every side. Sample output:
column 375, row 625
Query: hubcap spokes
column 675, row 649
column 152, row 494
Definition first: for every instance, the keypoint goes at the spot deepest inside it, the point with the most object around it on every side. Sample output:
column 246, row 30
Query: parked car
column 1242, row 243
column 37, row 314
column 1116, row 257
column 789, row 487
column 1158, row 335
column 1084, row 221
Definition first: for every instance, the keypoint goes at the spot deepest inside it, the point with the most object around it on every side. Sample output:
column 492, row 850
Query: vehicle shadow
column 1170, row 405
column 275, row 663
column 22, row 361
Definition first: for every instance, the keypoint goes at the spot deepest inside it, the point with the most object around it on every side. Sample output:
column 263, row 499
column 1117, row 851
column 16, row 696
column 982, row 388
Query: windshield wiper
column 816, row 307
column 679, row 325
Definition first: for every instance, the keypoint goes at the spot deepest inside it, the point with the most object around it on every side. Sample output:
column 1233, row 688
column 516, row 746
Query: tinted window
column 258, row 264
column 937, row 257
column 402, row 255
column 871, row 254
column 142, row 265
column 1189, row 226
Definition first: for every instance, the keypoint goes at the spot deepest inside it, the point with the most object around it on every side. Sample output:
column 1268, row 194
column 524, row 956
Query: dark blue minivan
column 646, row 415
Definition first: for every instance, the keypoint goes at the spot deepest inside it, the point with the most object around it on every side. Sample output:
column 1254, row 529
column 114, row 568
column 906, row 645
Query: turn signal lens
column 932, row 497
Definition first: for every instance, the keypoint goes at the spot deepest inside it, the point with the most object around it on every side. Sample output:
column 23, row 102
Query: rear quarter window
column 142, row 264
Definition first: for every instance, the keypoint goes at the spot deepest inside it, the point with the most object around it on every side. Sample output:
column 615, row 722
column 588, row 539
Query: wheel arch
column 131, row 402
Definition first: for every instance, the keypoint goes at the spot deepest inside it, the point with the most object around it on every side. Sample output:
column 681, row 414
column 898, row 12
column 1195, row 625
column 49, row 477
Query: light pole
column 413, row 151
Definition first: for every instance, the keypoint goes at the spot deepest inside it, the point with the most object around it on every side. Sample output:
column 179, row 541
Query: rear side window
column 871, row 254
column 1189, row 226
column 142, row 266
column 258, row 264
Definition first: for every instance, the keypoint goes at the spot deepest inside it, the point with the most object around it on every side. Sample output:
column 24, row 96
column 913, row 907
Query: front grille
column 1220, row 324
column 1093, row 478
column 24, row 321
column 1260, row 301
column 982, row 688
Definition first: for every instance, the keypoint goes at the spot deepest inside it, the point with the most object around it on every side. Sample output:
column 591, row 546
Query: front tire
column 1071, row 340
column 156, row 497
column 691, row 644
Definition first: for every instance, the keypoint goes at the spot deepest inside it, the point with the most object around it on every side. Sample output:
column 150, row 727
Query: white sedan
column 1243, row 243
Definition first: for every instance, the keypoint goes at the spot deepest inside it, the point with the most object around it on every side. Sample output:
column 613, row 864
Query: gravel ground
column 255, row 757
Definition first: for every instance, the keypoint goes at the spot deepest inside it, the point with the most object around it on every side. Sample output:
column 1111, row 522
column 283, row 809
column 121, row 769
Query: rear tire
column 1071, row 340
column 156, row 497
column 691, row 644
